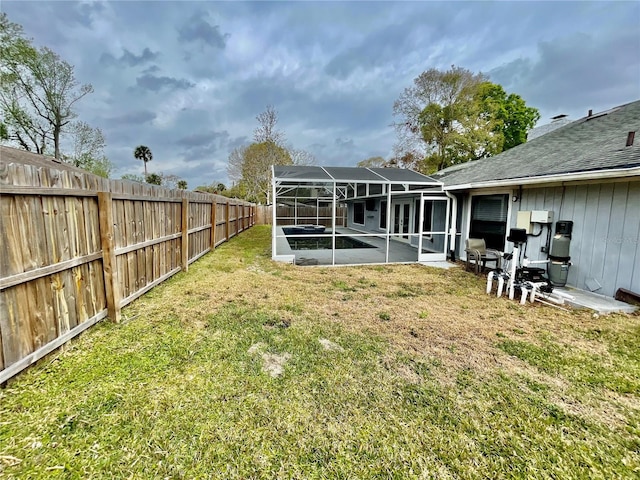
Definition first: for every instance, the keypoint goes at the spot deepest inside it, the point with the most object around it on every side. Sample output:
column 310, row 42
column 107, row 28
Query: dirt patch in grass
column 273, row 363
column 329, row 345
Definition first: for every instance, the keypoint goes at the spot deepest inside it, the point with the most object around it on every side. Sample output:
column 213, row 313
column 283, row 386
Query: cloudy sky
column 187, row 78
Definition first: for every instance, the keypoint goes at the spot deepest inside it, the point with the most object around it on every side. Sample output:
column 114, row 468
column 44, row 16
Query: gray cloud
column 576, row 70
column 332, row 70
column 137, row 117
column 155, row 83
column 209, row 145
column 198, row 29
column 238, row 142
column 345, row 143
column 203, row 138
column 128, row 58
column 151, row 69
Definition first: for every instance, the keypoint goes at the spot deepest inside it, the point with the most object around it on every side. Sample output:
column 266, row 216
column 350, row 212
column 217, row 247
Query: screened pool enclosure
column 346, row 216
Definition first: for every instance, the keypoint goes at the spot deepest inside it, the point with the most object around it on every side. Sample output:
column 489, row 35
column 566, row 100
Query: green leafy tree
column 235, row 191
column 39, row 91
column 88, row 149
column 133, row 177
column 213, row 187
column 454, row 116
column 100, row 166
column 30, row 132
column 154, row 179
column 170, row 180
column 513, row 117
column 142, row 152
column 256, row 169
column 249, row 167
column 182, row 184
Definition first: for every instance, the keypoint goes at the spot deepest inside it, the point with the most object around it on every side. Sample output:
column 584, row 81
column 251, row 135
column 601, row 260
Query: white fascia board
column 563, row 177
column 291, row 182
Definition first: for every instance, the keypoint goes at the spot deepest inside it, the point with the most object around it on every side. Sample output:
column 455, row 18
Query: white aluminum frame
column 339, row 192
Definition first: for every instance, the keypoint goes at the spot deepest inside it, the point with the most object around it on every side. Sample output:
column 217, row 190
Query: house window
column 489, row 219
column 383, row 214
column 358, row 213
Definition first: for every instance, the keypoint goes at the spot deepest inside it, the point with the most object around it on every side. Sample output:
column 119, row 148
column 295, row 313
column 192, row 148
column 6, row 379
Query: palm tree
column 142, row 152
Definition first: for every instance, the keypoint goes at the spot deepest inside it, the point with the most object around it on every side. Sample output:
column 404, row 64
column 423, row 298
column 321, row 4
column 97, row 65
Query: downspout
column 454, row 221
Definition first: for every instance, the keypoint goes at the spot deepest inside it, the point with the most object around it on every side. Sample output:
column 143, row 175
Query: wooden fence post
column 185, row 234
column 109, row 267
column 237, row 219
column 226, row 225
column 214, row 207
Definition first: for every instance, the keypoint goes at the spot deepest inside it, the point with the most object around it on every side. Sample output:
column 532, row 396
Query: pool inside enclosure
column 358, row 215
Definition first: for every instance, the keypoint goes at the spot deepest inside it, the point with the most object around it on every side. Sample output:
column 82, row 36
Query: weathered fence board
column 76, row 248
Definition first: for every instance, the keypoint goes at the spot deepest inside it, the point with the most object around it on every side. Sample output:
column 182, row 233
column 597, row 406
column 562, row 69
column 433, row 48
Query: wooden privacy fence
column 76, row 248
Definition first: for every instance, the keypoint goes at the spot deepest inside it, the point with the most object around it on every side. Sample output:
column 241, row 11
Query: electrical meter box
column 541, row 216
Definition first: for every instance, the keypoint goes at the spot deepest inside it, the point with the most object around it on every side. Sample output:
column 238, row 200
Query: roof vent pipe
column 590, row 113
column 630, row 138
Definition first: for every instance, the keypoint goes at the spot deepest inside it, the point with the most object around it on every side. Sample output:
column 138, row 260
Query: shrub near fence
column 76, row 248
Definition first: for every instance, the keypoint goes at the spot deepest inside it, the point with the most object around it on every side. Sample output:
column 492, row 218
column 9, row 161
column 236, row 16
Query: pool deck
column 399, row 252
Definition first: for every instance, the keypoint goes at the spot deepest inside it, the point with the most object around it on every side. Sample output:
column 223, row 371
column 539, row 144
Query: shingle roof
column 595, row 143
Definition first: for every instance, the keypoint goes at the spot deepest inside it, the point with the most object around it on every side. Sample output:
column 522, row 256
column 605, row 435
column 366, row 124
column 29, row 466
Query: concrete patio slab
column 600, row 303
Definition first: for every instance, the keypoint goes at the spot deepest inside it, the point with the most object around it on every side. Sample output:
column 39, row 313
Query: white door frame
column 435, row 256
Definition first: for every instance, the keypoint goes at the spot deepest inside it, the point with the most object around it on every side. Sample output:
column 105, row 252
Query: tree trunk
column 56, row 142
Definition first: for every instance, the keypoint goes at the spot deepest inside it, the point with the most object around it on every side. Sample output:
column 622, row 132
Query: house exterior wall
column 371, row 218
column 605, row 244
column 464, row 214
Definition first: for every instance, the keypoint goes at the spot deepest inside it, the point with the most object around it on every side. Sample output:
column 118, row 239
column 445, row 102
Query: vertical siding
column 605, row 245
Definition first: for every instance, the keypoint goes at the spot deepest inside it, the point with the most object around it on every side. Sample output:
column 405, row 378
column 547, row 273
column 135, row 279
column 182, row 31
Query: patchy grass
column 243, row 368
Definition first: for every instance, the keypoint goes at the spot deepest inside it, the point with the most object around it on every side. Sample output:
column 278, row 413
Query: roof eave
column 563, row 177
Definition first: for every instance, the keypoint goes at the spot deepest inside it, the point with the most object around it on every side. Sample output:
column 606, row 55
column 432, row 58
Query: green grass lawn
column 399, row 371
